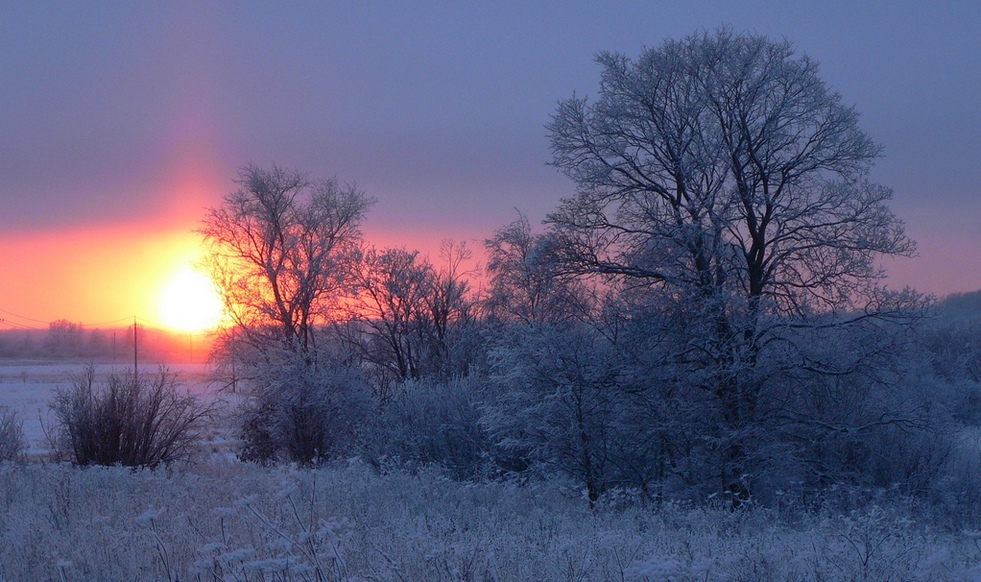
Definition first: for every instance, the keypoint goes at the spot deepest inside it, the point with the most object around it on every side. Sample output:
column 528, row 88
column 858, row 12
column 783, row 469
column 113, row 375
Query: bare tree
column 724, row 162
column 283, row 251
column 281, row 248
column 13, row 443
column 390, row 308
column 525, row 282
column 452, row 312
column 64, row 337
column 411, row 314
column 721, row 173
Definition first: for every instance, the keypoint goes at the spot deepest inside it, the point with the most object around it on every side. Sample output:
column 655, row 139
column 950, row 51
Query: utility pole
column 233, row 359
column 135, row 356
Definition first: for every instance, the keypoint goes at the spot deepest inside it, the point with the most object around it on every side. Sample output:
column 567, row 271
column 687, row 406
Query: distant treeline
column 70, row 340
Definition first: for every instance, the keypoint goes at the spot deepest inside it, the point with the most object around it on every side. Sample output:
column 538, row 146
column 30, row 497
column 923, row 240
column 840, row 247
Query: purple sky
column 119, row 114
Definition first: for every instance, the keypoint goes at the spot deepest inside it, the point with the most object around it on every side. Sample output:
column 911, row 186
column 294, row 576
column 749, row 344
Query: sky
column 120, row 123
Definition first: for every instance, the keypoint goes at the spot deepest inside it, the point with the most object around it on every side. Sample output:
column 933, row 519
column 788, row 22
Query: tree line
column 74, row 340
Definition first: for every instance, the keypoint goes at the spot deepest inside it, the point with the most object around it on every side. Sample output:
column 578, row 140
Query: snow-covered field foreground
column 220, row 519
column 231, row 521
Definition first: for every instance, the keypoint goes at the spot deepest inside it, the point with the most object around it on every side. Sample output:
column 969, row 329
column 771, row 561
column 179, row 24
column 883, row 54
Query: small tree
column 526, row 280
column 414, row 319
column 390, row 308
column 64, row 337
column 561, row 403
column 134, row 421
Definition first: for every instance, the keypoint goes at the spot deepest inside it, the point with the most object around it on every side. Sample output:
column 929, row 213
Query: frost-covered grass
column 233, row 521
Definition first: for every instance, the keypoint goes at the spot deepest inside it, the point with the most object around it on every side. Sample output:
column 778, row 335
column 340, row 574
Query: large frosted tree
column 721, row 175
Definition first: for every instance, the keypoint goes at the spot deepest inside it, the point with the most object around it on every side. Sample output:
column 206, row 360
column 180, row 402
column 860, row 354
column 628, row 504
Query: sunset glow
column 102, row 277
column 190, row 302
column 143, row 133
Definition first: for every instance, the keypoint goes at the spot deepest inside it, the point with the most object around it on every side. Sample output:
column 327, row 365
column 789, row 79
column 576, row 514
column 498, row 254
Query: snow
column 223, row 520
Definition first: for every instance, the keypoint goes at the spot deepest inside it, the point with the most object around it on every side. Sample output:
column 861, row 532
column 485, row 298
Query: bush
column 432, row 422
column 12, row 440
column 132, row 420
column 302, row 411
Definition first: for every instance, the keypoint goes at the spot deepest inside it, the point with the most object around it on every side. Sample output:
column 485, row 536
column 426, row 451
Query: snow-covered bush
column 302, row 409
column 131, row 420
column 12, row 441
column 562, row 405
column 432, row 422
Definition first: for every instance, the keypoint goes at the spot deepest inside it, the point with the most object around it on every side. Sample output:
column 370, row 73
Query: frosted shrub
column 301, row 410
column 562, row 406
column 12, row 440
column 433, row 422
column 132, row 420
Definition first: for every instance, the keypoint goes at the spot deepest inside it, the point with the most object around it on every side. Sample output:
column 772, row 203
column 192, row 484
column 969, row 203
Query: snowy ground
column 28, row 387
column 219, row 519
column 237, row 521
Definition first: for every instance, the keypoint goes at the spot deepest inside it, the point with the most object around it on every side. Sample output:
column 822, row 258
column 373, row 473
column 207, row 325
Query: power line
column 149, row 325
column 19, row 326
column 19, row 316
column 152, row 324
column 106, row 322
column 23, row 317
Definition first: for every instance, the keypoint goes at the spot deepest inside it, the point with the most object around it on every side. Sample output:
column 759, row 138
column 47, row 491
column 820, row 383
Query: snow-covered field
column 220, row 519
column 28, row 387
column 233, row 521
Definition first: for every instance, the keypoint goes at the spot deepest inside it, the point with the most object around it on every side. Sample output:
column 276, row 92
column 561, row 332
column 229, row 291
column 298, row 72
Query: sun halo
column 189, row 302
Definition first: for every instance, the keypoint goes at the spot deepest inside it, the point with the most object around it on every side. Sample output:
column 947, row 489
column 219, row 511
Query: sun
column 190, row 302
